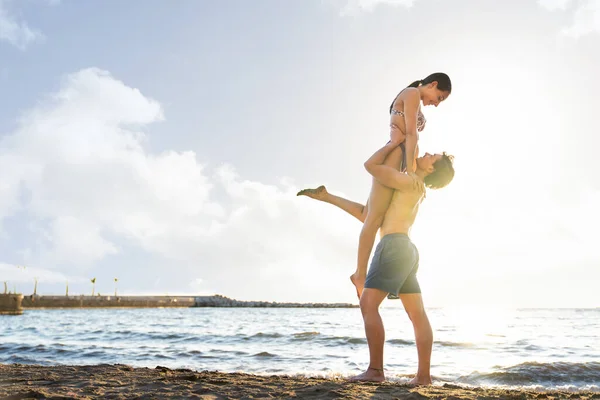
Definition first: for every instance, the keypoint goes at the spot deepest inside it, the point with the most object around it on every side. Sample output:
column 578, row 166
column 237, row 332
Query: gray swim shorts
column 394, row 266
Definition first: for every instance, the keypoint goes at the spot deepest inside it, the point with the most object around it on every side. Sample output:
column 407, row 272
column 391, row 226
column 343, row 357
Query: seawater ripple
column 543, row 374
column 543, row 348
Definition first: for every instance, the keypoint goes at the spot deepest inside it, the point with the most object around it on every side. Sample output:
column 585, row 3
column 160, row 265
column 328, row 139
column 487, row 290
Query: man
column 396, row 260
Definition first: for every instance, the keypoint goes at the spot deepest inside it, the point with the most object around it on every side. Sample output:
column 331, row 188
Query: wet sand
column 18, row 381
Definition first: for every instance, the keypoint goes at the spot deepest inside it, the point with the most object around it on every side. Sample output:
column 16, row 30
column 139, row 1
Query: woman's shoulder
column 408, row 93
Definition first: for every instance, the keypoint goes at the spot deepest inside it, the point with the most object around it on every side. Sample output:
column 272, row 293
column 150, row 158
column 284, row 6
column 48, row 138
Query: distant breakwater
column 11, row 304
column 81, row 301
column 222, row 301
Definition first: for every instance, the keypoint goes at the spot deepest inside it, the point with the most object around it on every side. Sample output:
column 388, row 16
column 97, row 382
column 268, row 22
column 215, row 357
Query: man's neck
column 421, row 173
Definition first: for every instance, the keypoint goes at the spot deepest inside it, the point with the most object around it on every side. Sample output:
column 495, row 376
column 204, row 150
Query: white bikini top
column 421, row 121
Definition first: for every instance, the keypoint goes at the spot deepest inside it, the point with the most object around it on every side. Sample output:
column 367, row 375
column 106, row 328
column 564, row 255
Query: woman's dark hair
column 442, row 174
column 443, row 80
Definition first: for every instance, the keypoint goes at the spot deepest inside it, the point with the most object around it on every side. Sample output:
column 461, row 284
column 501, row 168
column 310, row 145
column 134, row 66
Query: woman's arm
column 411, row 110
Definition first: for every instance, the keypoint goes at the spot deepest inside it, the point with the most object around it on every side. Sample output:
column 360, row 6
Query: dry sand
column 19, row 381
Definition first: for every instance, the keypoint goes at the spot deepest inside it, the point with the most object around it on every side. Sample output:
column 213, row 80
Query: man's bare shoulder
column 408, row 197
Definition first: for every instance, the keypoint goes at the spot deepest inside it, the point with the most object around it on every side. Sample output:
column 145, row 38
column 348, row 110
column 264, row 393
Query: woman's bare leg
column 370, row 214
column 379, row 201
column 357, row 210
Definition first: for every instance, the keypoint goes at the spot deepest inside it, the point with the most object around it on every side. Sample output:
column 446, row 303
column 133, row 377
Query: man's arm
column 388, row 176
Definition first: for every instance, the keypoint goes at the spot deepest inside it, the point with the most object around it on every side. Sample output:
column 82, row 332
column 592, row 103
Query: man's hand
column 396, row 135
column 395, row 142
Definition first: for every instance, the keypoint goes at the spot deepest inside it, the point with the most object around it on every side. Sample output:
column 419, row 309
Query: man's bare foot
column 418, row 381
column 370, row 375
column 359, row 283
column 317, row 194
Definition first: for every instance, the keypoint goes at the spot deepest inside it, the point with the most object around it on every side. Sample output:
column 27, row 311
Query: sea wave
column 534, row 373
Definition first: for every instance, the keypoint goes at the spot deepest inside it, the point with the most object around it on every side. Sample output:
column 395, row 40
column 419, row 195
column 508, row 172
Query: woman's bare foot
column 359, row 283
column 318, row 194
column 370, row 375
column 418, row 381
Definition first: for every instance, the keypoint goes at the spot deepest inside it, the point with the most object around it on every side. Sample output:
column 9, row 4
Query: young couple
column 398, row 188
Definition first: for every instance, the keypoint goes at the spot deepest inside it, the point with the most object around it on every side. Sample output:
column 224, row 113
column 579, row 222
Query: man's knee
column 416, row 313
column 368, row 305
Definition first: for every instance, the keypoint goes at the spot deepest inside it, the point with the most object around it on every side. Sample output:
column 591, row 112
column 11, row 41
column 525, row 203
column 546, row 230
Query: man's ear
column 430, row 169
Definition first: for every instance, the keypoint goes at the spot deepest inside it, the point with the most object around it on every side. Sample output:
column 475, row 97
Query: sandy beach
column 18, row 381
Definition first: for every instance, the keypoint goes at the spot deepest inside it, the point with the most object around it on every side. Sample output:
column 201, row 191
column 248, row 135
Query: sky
column 162, row 144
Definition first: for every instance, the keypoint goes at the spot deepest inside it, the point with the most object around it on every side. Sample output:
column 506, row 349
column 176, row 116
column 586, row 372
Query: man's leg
column 369, row 306
column 413, row 304
column 357, row 210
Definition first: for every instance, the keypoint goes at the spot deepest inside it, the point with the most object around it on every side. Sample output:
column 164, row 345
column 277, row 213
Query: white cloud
column 586, row 19
column 16, row 32
column 14, row 273
column 586, row 16
column 353, row 7
column 555, row 4
column 78, row 167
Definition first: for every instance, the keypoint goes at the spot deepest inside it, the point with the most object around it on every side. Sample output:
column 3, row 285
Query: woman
column 405, row 123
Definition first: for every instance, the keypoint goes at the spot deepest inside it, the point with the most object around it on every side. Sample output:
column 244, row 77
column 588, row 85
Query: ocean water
column 527, row 348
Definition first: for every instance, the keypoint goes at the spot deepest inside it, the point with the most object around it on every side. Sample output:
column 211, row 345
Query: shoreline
column 20, row 381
